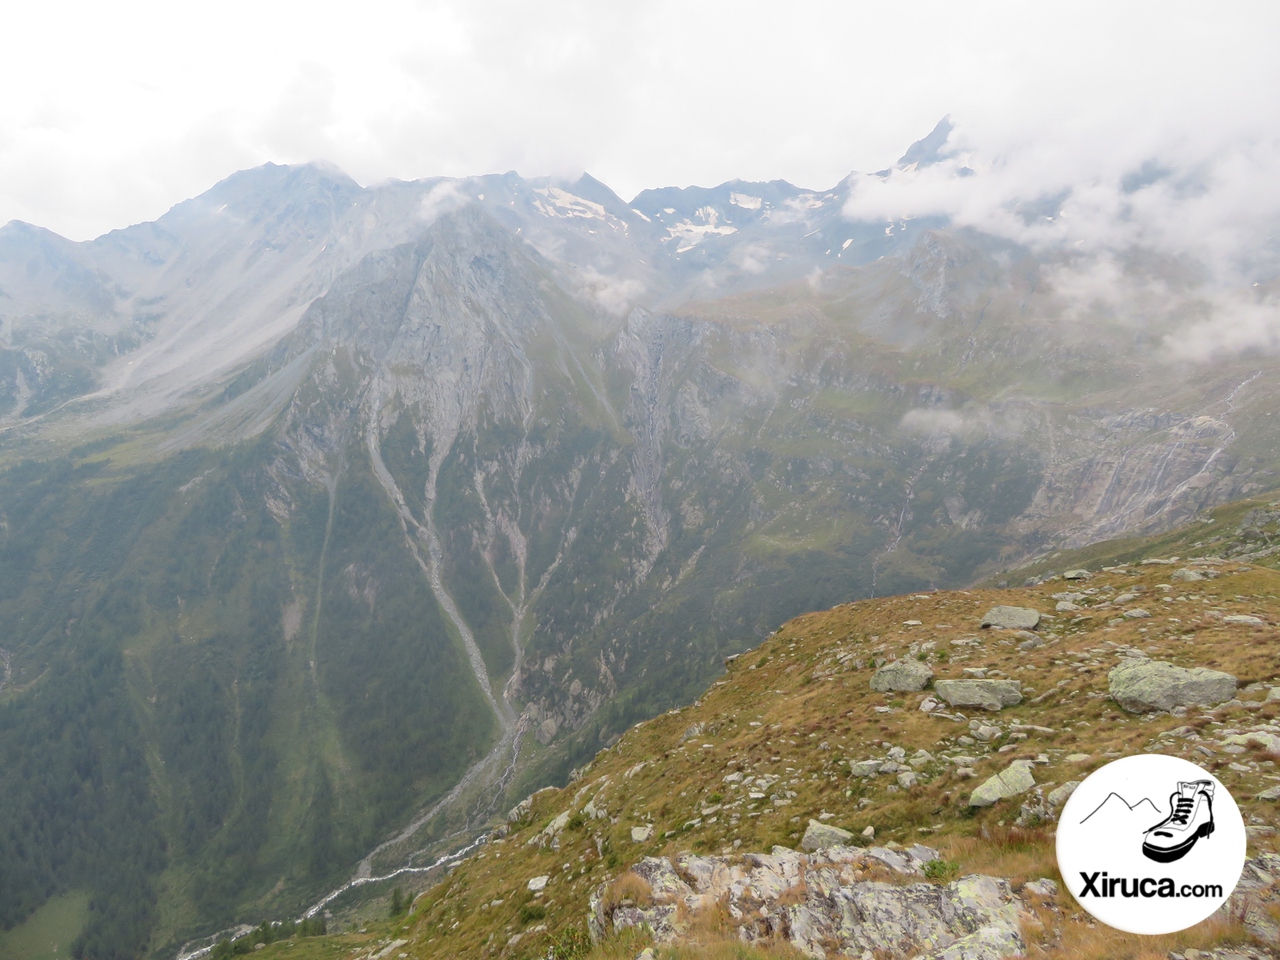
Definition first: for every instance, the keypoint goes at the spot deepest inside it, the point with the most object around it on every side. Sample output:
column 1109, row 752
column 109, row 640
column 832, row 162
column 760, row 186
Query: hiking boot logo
column 1190, row 818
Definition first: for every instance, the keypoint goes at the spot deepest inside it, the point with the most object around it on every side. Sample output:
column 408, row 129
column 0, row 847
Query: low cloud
column 933, row 422
column 1143, row 230
column 615, row 295
column 445, row 197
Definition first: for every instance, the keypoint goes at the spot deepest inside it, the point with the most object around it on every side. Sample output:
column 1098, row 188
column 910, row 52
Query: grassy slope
column 791, row 709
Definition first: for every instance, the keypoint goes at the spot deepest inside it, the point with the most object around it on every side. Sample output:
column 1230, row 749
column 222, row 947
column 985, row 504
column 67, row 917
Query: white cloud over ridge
column 114, row 112
column 1180, row 233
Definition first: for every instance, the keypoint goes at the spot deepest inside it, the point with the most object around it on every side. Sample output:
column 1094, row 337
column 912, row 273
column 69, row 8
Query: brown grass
column 631, row 887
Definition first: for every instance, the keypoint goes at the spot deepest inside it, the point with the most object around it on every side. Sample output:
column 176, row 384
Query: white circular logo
column 1151, row 844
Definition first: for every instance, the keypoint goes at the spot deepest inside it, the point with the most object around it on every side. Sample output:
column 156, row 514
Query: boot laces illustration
column 1190, row 818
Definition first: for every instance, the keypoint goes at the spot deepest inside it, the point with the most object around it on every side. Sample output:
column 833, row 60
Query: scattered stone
column 865, row 768
column 987, row 694
column 1012, row 618
column 1076, row 575
column 869, row 833
column 1271, row 793
column 1013, row 780
column 907, row 779
column 1137, row 613
column 538, row 883
column 1044, row 887
column 1186, row 575
column 641, row 834
column 1125, row 598
column 1141, row 686
column 1258, row 738
column 929, row 704
column 1077, row 757
column 983, row 732
column 1255, row 832
column 1066, row 606
column 1246, row 619
column 820, row 835
column 1058, row 795
column 907, row 676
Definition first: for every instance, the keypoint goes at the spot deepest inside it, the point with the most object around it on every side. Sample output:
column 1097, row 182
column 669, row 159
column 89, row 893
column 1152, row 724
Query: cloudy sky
column 113, row 112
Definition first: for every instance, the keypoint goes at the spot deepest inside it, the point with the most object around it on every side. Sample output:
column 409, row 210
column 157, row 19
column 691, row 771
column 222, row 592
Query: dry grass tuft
column 629, row 887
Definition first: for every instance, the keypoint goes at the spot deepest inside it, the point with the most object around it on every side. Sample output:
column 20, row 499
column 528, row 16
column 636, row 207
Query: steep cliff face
column 419, row 494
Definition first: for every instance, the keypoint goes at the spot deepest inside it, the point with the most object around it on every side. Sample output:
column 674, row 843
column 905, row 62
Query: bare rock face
column 1142, row 686
column 987, row 694
column 817, row 902
column 908, row 676
column 1012, row 618
column 819, row 835
column 1009, row 782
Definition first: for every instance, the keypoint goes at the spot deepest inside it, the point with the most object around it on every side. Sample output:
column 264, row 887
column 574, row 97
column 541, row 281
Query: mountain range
column 334, row 518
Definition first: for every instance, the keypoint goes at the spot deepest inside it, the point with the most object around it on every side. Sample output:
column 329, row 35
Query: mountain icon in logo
column 1189, row 819
column 1117, row 810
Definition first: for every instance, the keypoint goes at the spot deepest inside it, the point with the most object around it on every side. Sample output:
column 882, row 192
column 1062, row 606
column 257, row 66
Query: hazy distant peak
column 928, row 150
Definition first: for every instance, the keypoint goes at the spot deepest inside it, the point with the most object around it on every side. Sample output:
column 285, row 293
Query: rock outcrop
column 1141, row 686
column 987, row 694
column 819, row 835
column 1009, row 782
column 907, row 676
column 1012, row 618
column 824, row 901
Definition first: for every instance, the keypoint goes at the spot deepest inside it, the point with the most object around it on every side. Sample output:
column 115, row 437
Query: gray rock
column 984, row 732
column 987, row 694
column 1044, row 887
column 1013, row 780
column 1058, row 795
column 1012, row 618
column 1141, row 686
column 1186, row 575
column 907, row 779
column 1066, row 606
column 642, row 833
column 864, row 768
column 907, row 676
column 1137, row 613
column 820, row 835
column 1077, row 575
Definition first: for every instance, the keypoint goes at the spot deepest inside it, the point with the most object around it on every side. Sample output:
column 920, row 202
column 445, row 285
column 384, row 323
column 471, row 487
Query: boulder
column 864, row 768
column 642, row 833
column 1059, row 795
column 1077, row 575
column 987, row 694
column 1009, row 782
column 820, row 835
column 907, row 676
column 1186, row 575
column 1141, row 686
column 1012, row 618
